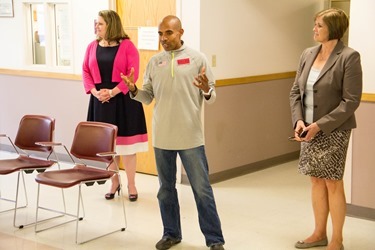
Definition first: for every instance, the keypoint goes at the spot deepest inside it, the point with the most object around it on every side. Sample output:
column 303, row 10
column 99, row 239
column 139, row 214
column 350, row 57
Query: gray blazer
column 337, row 91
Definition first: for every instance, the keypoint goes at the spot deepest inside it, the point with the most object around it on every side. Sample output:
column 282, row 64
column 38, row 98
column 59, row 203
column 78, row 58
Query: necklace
column 104, row 43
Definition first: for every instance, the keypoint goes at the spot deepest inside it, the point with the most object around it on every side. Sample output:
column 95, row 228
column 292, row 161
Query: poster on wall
column 6, row 8
column 148, row 38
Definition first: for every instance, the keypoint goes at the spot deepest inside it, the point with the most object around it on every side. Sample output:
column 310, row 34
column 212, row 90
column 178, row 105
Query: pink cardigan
column 127, row 57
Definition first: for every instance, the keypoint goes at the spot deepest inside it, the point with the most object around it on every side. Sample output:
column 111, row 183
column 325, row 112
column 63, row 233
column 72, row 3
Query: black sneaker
column 218, row 246
column 166, row 243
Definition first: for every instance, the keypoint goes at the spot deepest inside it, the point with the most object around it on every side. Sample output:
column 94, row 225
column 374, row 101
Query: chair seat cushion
column 69, row 177
column 8, row 166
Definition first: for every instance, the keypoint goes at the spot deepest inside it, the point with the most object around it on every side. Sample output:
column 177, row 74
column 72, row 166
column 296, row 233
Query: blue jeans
column 195, row 163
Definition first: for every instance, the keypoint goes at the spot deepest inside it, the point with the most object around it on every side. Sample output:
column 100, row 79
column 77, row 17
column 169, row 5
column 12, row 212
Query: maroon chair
column 94, row 141
column 32, row 129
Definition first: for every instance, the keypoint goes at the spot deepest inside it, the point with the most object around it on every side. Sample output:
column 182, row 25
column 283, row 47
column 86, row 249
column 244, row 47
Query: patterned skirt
column 325, row 155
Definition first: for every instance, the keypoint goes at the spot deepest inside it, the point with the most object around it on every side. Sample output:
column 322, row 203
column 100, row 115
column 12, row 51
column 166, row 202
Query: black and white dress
column 121, row 110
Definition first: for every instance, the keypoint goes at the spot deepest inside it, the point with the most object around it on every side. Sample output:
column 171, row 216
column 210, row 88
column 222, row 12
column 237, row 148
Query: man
column 179, row 79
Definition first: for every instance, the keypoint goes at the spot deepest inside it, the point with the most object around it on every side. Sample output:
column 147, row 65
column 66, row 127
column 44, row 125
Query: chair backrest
column 35, row 128
column 91, row 138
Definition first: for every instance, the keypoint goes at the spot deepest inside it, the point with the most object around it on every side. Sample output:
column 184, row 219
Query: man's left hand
column 201, row 81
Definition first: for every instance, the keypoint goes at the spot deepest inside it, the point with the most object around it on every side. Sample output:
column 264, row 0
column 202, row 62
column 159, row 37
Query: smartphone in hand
column 303, row 134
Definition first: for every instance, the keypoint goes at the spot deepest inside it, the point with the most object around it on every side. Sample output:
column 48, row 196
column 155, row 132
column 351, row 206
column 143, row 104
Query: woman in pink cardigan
column 111, row 54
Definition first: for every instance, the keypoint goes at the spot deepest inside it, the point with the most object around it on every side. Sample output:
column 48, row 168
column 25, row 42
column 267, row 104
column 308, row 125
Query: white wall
column 13, row 46
column 361, row 17
column 189, row 13
column 361, row 38
column 248, row 37
column 256, row 37
column 83, row 15
column 63, row 100
column 237, row 31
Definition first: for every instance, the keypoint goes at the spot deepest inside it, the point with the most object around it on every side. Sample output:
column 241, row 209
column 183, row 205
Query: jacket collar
column 330, row 62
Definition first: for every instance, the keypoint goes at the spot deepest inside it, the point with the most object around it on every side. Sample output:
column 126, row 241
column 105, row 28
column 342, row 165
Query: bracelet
column 110, row 93
column 134, row 92
column 209, row 92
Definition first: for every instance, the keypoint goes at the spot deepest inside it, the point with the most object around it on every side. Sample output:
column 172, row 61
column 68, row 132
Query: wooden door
column 144, row 13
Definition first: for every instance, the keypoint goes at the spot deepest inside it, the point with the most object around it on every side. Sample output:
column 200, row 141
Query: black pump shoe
column 133, row 197
column 110, row 196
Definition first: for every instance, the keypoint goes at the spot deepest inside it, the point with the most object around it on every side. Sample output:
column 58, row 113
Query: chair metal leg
column 59, row 168
column 20, row 174
column 123, row 204
column 16, row 200
column 77, row 217
column 105, row 234
column 61, row 213
column 16, row 203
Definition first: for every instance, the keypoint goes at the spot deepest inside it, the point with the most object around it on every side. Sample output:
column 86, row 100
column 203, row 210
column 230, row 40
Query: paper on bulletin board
column 148, row 38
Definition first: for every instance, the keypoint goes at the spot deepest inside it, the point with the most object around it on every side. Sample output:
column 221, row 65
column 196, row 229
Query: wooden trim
column 366, row 97
column 40, row 74
column 219, row 83
column 253, row 79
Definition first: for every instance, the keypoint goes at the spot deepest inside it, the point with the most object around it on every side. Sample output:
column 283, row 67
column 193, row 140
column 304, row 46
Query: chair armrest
column 48, row 143
column 105, row 154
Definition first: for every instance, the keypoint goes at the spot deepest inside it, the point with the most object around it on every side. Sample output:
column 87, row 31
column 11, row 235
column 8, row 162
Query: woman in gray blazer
column 326, row 92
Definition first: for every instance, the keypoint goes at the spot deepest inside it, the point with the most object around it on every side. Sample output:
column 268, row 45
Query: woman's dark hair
column 115, row 31
column 336, row 20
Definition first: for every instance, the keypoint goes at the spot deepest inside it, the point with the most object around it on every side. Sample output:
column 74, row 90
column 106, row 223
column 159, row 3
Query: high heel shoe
column 133, row 197
column 110, row 196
